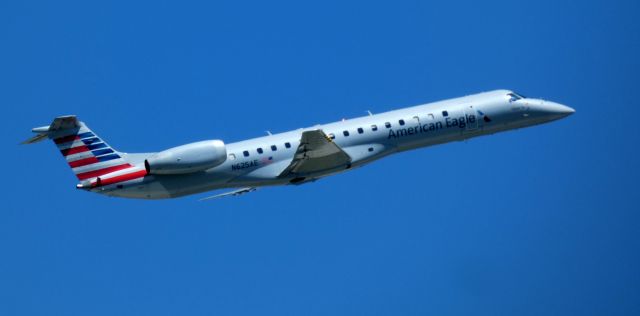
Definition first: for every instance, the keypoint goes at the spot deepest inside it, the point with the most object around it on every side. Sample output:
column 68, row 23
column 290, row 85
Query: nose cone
column 556, row 110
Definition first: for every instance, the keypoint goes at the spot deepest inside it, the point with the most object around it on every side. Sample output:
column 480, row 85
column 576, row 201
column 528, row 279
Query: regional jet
column 294, row 157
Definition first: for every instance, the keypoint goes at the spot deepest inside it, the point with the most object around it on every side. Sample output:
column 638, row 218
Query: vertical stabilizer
column 88, row 155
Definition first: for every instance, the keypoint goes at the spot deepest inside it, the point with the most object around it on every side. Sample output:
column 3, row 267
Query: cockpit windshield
column 515, row 96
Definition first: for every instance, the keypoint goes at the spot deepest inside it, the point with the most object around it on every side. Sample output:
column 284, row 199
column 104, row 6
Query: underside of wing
column 231, row 193
column 316, row 153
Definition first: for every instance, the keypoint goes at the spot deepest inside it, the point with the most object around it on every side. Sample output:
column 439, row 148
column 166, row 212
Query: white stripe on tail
column 86, row 153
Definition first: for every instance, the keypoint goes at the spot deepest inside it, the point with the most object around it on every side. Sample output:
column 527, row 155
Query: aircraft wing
column 231, row 193
column 316, row 152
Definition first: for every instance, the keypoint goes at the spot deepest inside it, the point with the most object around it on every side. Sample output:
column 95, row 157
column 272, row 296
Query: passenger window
column 345, row 133
column 245, row 153
column 401, row 122
column 374, row 127
column 232, row 156
column 445, row 113
column 360, row 130
column 287, row 145
column 332, row 135
column 260, row 150
column 387, row 125
column 274, row 148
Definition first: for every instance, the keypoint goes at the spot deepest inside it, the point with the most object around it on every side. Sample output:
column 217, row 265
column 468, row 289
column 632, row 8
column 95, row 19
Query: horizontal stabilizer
column 64, row 122
column 35, row 139
column 59, row 123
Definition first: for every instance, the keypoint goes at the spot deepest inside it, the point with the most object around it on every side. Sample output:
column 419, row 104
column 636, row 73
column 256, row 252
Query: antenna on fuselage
column 370, row 114
column 269, row 132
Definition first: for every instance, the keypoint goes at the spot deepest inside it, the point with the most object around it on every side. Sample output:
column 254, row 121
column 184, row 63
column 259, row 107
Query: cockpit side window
column 514, row 96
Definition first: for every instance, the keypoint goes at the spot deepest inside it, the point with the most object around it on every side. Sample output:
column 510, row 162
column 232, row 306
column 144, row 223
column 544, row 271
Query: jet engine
column 187, row 158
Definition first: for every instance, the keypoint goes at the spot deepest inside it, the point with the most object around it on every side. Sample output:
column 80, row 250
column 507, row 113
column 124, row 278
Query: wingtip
column 230, row 193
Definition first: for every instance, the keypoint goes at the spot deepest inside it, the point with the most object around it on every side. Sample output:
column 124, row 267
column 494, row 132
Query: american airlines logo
column 449, row 122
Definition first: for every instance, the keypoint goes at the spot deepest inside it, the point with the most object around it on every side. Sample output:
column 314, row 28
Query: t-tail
column 91, row 159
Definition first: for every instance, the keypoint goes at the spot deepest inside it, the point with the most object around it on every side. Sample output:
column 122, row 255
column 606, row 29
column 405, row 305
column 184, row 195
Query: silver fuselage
column 369, row 138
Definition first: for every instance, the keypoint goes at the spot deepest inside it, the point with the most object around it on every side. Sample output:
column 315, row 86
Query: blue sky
column 539, row 221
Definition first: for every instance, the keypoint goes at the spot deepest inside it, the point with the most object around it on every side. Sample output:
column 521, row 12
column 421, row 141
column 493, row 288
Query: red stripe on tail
column 99, row 172
column 83, row 162
column 74, row 150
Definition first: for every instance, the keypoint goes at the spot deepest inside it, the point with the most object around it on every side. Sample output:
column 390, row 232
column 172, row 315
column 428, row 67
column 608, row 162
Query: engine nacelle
column 187, row 158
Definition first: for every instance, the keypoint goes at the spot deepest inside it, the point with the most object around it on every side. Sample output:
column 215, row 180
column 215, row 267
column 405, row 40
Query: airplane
column 293, row 157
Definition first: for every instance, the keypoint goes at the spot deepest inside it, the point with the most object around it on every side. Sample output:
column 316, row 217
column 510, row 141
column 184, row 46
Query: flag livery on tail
column 89, row 157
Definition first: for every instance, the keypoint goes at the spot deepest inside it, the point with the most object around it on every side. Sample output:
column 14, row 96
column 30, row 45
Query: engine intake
column 187, row 158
